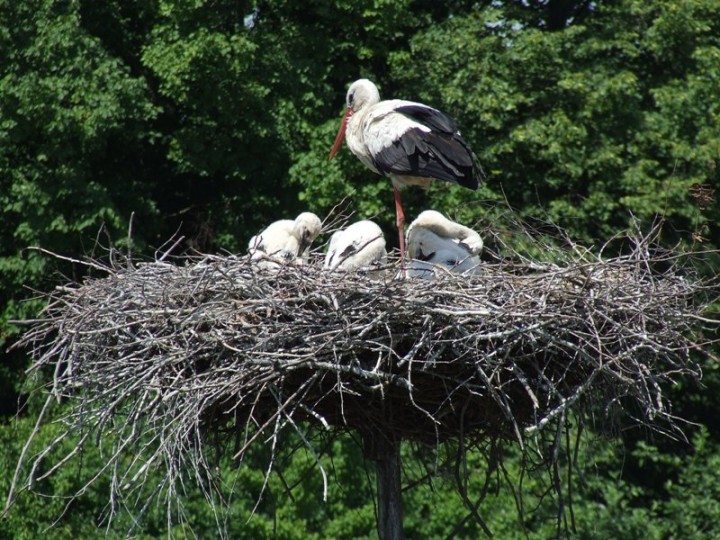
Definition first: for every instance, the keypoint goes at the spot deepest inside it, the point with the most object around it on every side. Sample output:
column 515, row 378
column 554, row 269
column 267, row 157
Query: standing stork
column 409, row 142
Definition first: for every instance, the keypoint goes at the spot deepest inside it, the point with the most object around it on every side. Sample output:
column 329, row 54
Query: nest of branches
column 168, row 357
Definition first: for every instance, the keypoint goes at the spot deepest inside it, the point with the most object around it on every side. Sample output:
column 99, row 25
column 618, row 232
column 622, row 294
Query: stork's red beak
column 341, row 134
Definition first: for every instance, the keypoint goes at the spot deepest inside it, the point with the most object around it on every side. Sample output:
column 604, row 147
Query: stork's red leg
column 400, row 222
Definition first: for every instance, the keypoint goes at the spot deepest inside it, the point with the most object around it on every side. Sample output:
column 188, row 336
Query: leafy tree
column 211, row 119
column 73, row 138
column 585, row 126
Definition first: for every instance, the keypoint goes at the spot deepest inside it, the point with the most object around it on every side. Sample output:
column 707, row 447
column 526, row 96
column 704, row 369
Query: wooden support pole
column 389, row 494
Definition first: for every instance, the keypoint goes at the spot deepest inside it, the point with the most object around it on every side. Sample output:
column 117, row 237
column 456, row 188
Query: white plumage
column 359, row 247
column 286, row 241
column 434, row 240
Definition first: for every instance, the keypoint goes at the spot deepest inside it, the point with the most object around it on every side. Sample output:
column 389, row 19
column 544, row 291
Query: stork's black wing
column 439, row 153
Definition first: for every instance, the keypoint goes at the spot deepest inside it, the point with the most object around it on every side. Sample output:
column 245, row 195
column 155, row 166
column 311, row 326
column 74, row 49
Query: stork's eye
column 351, row 99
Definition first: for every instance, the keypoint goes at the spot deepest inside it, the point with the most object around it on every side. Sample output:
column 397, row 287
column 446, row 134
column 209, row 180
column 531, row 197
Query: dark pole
column 389, row 494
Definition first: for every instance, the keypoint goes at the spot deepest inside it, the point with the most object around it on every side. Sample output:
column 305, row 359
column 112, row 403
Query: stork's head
column 436, row 222
column 362, row 93
column 306, row 228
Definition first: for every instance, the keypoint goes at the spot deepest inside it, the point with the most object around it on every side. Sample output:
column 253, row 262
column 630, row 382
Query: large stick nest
column 167, row 355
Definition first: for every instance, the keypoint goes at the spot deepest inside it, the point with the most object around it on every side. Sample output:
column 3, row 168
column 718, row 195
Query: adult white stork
column 409, row 142
column 359, row 247
column 286, row 241
column 434, row 240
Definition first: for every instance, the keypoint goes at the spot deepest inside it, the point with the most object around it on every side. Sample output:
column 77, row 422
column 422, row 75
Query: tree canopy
column 127, row 123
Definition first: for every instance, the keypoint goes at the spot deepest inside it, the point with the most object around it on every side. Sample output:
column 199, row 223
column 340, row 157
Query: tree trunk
column 389, row 496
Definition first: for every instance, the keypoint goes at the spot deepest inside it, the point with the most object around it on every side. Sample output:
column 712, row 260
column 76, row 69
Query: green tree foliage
column 73, row 133
column 611, row 116
column 208, row 119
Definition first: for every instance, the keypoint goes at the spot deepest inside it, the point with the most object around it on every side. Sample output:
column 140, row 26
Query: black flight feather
column 441, row 153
